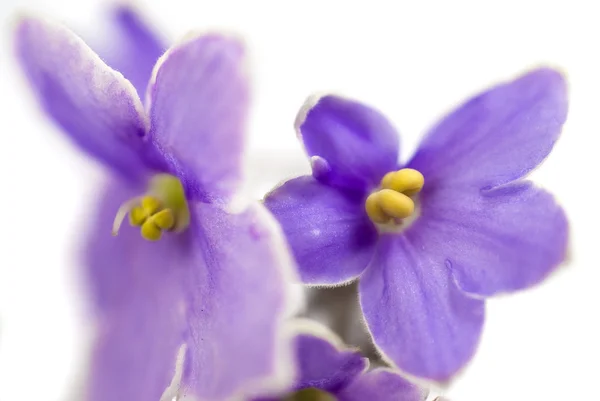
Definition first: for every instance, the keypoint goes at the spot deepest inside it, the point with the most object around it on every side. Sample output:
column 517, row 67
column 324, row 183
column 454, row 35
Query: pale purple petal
column 131, row 47
column 418, row 317
column 322, row 365
column 381, row 385
column 219, row 288
column 504, row 239
column 199, row 103
column 357, row 143
column 95, row 105
column 498, row 136
column 327, row 228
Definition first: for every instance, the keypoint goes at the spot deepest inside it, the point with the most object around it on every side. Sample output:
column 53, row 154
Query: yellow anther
column 406, row 181
column 150, row 231
column 137, row 216
column 150, row 205
column 394, row 204
column 164, row 219
column 164, row 207
column 374, row 211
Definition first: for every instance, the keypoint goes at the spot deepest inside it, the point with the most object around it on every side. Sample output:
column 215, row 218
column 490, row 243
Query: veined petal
column 199, row 102
column 498, row 136
column 357, row 144
column 382, row 385
column 132, row 48
column 505, row 239
column 418, row 317
column 222, row 287
column 96, row 106
column 327, row 228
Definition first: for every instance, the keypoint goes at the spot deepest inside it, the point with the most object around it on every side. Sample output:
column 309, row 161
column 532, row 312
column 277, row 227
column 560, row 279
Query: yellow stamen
column 150, row 231
column 165, row 208
column 395, row 204
column 406, row 181
column 392, row 201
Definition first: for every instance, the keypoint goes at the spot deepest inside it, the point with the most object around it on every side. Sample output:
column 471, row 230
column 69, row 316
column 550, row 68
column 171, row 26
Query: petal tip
column 310, row 102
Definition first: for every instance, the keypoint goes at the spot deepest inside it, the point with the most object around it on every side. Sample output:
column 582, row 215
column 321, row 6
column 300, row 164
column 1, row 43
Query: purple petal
column 381, row 385
column 322, row 365
column 199, row 103
column 216, row 288
column 328, row 230
column 357, row 143
column 96, row 106
column 132, row 48
column 498, row 136
column 505, row 239
column 418, row 317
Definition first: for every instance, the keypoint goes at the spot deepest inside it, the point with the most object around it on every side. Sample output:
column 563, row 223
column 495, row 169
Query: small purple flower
column 328, row 373
column 194, row 305
column 431, row 238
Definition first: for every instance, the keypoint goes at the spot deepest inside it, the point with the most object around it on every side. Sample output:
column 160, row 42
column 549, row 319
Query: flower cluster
column 192, row 300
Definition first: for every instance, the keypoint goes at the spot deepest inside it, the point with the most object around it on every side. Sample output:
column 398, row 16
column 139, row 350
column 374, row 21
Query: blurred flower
column 327, row 373
column 192, row 302
column 432, row 238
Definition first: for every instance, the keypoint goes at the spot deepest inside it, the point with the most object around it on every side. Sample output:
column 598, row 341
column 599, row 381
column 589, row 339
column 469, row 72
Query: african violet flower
column 194, row 304
column 433, row 237
column 326, row 372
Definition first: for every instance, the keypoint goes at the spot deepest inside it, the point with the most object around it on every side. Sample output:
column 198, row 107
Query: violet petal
column 198, row 106
column 327, row 228
column 322, row 365
column 132, row 47
column 382, row 385
column 498, row 136
column 418, row 317
column 505, row 239
column 357, row 142
column 221, row 285
column 95, row 105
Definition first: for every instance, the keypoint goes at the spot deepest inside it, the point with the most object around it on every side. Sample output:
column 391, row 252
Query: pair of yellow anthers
column 164, row 208
column 393, row 201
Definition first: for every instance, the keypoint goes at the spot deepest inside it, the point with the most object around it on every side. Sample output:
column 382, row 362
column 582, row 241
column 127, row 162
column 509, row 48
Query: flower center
column 163, row 208
column 310, row 394
column 393, row 202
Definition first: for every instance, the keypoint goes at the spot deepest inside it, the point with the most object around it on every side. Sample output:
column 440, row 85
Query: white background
column 413, row 60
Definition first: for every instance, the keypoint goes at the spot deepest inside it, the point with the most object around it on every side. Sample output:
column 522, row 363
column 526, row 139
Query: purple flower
column 194, row 305
column 433, row 237
column 328, row 373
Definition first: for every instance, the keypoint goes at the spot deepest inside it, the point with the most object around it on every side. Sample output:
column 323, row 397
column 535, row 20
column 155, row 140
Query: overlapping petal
column 219, row 289
column 382, row 385
column 498, row 136
column 198, row 106
column 417, row 315
column 96, row 106
column 505, row 239
column 357, row 144
column 132, row 47
column 322, row 365
column 328, row 230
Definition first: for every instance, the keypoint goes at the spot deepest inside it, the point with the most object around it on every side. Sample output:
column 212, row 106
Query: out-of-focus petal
column 219, row 289
column 328, row 230
column 132, row 47
column 322, row 365
column 418, row 317
column 381, row 385
column 198, row 106
column 356, row 144
column 505, row 239
column 498, row 136
column 96, row 106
